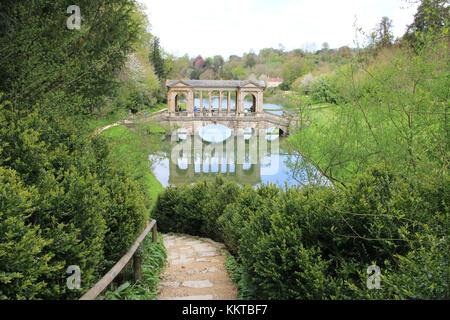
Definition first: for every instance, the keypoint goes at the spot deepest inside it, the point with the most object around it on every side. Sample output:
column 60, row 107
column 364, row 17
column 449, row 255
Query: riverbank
column 130, row 148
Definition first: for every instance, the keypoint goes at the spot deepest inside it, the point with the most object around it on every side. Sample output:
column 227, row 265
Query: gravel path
column 195, row 270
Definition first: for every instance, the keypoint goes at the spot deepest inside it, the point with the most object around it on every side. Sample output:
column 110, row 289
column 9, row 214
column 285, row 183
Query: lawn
column 132, row 149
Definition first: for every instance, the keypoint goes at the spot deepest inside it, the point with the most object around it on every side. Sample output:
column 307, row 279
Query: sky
column 234, row 27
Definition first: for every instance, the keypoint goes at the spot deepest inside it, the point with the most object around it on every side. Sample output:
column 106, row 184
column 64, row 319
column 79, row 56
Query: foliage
column 317, row 242
column 432, row 16
column 295, row 68
column 194, row 209
column 392, row 110
column 23, row 260
column 67, row 201
column 153, row 259
column 382, row 36
column 157, row 60
column 325, row 89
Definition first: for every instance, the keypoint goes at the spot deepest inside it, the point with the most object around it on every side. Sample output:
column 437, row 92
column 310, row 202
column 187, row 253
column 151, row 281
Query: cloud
column 235, row 26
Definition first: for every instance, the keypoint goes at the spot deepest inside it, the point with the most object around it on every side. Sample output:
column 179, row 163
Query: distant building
column 344, row 52
column 199, row 63
column 274, row 82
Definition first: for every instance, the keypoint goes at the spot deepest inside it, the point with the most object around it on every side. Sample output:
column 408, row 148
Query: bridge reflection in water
column 237, row 159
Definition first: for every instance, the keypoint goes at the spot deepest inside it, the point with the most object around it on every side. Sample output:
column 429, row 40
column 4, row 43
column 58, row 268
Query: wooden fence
column 109, row 277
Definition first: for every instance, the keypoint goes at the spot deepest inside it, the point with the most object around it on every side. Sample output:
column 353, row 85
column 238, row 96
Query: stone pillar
column 220, row 103
column 229, row 103
column 238, row 102
column 260, row 102
column 210, row 103
column 201, row 101
column 190, row 103
column 171, row 103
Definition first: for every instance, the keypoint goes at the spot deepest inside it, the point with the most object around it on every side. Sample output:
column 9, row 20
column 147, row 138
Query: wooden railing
column 109, row 277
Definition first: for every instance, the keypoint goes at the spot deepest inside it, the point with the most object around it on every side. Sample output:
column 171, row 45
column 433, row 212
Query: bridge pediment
column 250, row 85
column 179, row 84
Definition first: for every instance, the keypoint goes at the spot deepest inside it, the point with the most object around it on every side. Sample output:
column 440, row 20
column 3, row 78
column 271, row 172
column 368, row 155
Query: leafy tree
column 239, row 73
column 382, row 36
column 250, row 60
column 157, row 60
column 295, row 68
column 58, row 206
column 431, row 16
column 218, row 63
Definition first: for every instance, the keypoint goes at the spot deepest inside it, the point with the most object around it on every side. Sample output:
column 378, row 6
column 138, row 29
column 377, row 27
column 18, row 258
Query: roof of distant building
column 215, row 83
column 275, row 79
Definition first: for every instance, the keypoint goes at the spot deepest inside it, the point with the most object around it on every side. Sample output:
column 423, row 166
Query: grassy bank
column 108, row 118
column 132, row 149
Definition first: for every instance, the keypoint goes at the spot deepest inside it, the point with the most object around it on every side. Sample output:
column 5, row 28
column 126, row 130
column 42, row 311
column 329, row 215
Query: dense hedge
column 317, row 242
column 64, row 200
column 80, row 209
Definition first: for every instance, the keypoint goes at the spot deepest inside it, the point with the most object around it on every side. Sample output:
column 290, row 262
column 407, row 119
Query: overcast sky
column 211, row 27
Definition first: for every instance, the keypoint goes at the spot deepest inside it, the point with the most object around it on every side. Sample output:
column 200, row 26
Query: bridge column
column 201, row 101
column 229, row 103
column 210, row 103
column 190, row 103
column 238, row 102
column 171, row 102
column 220, row 103
column 259, row 102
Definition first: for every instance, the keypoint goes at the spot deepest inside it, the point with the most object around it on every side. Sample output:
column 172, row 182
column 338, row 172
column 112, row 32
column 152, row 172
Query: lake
column 248, row 159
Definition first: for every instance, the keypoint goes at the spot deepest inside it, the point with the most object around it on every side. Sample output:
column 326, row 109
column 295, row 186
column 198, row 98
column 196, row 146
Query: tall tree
column 431, row 16
column 383, row 36
column 157, row 60
column 63, row 202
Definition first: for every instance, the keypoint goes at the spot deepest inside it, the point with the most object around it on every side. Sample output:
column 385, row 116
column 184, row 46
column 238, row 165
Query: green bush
column 153, row 257
column 317, row 242
column 195, row 209
column 63, row 199
column 23, row 260
column 324, row 89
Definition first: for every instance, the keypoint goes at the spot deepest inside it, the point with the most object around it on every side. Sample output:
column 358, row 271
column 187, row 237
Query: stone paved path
column 195, row 270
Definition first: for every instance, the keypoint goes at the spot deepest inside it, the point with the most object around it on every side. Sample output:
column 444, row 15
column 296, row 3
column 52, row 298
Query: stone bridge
column 237, row 123
column 194, row 115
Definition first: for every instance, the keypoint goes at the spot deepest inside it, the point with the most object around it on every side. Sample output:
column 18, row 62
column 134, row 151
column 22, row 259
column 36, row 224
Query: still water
column 248, row 159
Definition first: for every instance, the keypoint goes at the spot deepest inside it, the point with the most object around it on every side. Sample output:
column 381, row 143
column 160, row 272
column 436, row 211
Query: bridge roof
column 215, row 83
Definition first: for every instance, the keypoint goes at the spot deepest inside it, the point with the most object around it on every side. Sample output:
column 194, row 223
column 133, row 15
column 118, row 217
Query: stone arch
column 273, row 132
column 249, row 132
column 181, row 106
column 253, row 107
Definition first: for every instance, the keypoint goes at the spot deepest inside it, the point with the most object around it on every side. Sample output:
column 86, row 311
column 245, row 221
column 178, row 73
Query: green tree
column 59, row 207
column 157, row 60
column 250, row 60
column 431, row 16
column 239, row 73
column 294, row 69
column 382, row 36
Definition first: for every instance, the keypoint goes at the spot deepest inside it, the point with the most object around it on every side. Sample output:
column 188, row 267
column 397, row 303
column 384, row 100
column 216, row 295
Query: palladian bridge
column 190, row 107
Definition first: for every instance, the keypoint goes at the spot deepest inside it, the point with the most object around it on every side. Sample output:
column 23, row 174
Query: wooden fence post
column 155, row 233
column 115, row 270
column 137, row 264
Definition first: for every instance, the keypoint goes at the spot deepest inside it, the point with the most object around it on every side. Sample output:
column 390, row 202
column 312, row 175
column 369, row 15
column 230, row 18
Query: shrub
column 23, row 260
column 317, row 242
column 195, row 209
column 324, row 89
